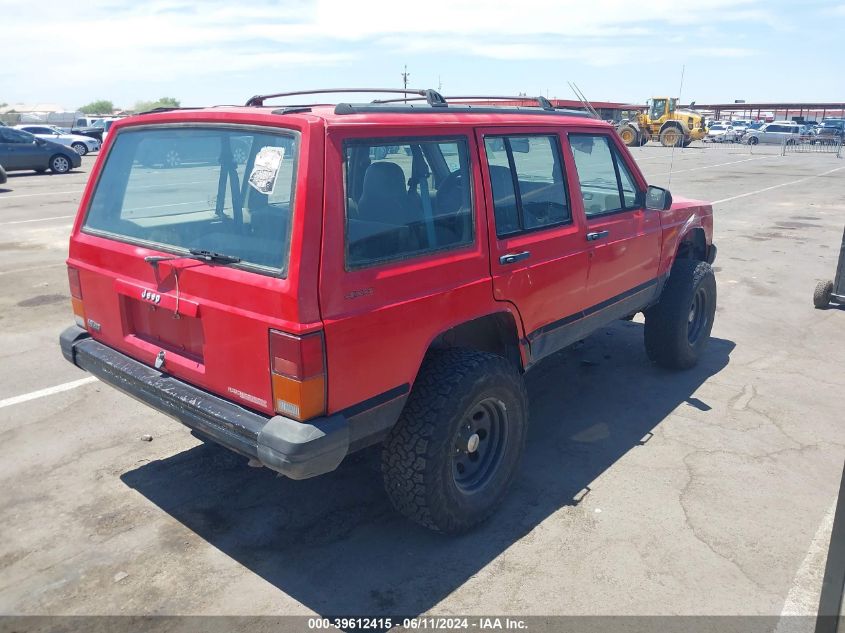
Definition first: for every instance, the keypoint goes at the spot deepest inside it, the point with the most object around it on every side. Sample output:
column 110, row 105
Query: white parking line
column 783, row 184
column 733, row 162
column 26, row 270
column 55, row 217
column 46, row 193
column 49, row 391
column 804, row 594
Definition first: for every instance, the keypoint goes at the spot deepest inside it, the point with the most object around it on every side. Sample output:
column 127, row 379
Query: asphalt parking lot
column 642, row 491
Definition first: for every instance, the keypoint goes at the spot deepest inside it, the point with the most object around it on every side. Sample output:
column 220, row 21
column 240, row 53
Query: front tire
column 677, row 328
column 60, row 164
column 80, row 148
column 671, row 137
column 823, row 294
column 450, row 459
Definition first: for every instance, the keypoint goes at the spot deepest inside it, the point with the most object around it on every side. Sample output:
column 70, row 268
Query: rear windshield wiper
column 213, row 256
column 209, row 257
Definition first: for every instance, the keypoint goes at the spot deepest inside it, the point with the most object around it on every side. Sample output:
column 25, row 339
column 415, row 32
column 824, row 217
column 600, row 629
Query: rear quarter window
column 406, row 198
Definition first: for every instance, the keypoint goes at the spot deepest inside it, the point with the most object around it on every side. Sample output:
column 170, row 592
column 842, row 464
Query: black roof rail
column 433, row 97
column 542, row 102
column 169, row 109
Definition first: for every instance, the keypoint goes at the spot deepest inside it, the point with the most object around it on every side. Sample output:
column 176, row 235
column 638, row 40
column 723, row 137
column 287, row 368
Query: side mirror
column 658, row 199
column 39, row 141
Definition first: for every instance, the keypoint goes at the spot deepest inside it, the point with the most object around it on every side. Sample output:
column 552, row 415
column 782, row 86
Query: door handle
column 512, row 258
column 597, row 235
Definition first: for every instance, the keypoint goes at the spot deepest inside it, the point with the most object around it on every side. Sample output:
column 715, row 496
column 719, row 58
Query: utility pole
column 405, row 76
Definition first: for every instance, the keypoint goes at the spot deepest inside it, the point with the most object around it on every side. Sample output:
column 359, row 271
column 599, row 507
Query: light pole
column 405, row 76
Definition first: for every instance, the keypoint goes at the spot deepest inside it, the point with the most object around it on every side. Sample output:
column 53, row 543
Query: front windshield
column 222, row 189
column 658, row 108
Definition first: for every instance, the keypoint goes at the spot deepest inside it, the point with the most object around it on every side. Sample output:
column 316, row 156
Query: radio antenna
column 672, row 156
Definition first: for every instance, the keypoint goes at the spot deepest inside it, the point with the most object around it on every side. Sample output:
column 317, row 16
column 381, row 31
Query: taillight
column 76, row 296
column 73, row 280
column 298, row 370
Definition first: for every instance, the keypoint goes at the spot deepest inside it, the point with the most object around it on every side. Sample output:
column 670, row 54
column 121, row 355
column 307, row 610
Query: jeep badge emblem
column 160, row 360
column 149, row 295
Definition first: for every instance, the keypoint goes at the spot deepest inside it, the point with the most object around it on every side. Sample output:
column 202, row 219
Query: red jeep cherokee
column 297, row 283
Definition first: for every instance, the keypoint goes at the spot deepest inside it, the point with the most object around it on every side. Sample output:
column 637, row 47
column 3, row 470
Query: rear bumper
column 295, row 449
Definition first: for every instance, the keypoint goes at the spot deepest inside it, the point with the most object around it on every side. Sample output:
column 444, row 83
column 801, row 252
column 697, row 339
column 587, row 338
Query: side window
column 16, row 136
column 405, row 198
column 606, row 183
column 628, row 184
column 527, row 184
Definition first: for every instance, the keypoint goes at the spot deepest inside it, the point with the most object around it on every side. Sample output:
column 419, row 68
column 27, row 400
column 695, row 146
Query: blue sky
column 223, row 52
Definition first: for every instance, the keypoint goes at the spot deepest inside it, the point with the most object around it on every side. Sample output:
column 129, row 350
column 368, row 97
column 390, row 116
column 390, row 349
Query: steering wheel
column 450, row 193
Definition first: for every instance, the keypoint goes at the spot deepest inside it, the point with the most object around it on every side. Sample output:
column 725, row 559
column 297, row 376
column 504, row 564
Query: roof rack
column 541, row 101
column 454, row 104
column 168, row 109
column 434, row 98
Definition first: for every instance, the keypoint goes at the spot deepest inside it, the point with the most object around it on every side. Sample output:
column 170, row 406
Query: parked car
column 775, row 133
column 85, row 121
column 740, row 126
column 329, row 300
column 80, row 144
column 721, row 133
column 22, row 150
column 2, row 175
column 830, row 131
column 177, row 149
column 104, row 125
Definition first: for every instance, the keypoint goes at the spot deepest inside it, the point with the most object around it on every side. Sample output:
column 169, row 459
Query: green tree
column 100, row 106
column 163, row 102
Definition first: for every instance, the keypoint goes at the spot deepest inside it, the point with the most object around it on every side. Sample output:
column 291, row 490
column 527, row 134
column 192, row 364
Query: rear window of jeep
column 405, row 198
column 178, row 188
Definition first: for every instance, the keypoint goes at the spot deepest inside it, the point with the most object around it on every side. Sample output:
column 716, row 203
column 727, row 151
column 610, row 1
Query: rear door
column 624, row 236
column 404, row 253
column 538, row 249
column 208, row 321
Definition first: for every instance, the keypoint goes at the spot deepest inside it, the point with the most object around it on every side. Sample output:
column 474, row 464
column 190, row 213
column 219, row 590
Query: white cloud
column 111, row 41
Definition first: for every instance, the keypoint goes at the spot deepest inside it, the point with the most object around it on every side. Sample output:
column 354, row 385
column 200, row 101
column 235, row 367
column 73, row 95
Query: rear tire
column 629, row 135
column 60, row 164
column 822, row 294
column 677, row 328
column 450, row 459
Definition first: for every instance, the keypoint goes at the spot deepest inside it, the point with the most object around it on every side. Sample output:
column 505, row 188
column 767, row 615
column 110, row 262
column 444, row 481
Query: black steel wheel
column 450, row 459
column 677, row 328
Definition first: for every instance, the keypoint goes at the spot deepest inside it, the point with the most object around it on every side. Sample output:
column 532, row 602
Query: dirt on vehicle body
column 329, row 278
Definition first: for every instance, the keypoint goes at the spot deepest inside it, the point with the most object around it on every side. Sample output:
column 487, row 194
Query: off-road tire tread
column 822, row 294
column 665, row 323
column 446, row 378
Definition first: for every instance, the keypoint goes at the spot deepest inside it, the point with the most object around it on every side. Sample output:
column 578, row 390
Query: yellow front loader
column 663, row 119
